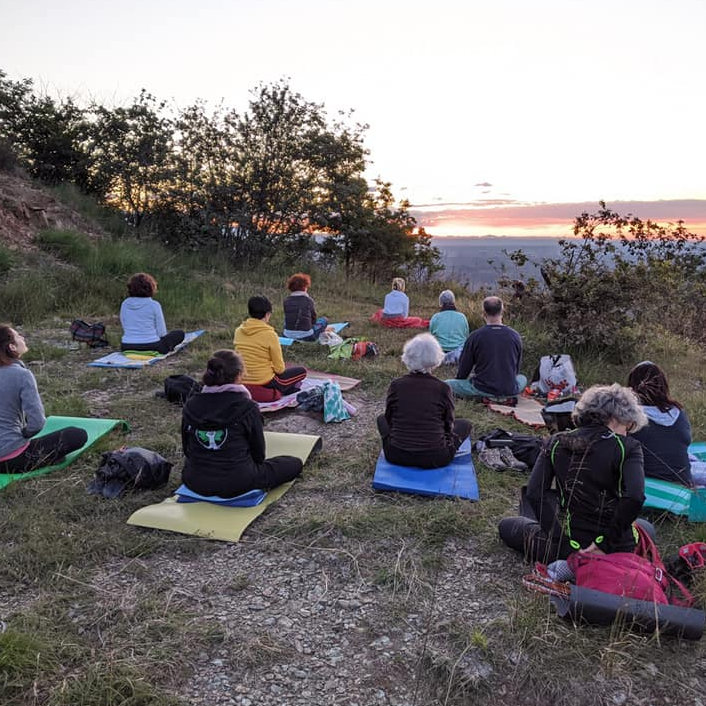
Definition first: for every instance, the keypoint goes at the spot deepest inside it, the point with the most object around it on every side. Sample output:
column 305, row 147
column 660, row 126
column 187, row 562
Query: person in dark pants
column 597, row 470
column 223, row 438
column 257, row 341
column 141, row 317
column 418, row 427
column 300, row 320
column 22, row 414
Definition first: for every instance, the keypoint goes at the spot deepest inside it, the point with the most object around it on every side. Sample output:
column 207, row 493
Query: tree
column 131, row 149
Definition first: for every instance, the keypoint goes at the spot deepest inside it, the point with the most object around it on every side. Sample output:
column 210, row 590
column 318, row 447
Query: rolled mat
column 95, row 428
column 213, row 521
column 600, row 608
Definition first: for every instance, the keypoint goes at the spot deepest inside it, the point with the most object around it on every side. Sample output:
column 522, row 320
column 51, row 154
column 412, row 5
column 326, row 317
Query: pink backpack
column 622, row 574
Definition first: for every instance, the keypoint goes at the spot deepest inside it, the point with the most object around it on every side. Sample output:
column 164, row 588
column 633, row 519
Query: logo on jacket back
column 212, row 440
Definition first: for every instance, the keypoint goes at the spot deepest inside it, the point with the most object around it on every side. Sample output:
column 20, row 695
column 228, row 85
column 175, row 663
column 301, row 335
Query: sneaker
column 492, row 459
column 511, row 461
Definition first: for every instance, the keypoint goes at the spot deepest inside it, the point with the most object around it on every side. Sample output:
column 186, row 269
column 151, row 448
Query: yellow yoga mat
column 225, row 523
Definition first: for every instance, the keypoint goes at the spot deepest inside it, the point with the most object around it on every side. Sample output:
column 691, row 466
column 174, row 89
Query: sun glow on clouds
column 543, row 219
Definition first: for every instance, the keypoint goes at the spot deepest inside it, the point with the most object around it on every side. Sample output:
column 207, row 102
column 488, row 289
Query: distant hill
column 478, row 261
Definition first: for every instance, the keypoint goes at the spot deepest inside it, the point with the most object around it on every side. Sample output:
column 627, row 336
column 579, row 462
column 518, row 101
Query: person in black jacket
column 418, row 427
column 300, row 321
column 666, row 438
column 223, row 439
column 600, row 484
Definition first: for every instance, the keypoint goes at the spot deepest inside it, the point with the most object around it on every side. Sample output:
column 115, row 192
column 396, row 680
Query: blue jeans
column 465, row 388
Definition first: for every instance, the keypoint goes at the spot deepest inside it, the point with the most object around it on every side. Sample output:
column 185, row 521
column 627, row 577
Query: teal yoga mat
column 95, row 428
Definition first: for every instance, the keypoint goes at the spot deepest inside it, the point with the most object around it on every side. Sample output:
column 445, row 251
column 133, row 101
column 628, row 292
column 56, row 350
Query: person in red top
column 418, row 427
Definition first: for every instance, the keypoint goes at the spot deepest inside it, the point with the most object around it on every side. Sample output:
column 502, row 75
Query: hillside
column 337, row 594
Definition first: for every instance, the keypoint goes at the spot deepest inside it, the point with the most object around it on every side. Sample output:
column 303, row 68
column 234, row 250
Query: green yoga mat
column 95, row 428
column 675, row 498
column 225, row 523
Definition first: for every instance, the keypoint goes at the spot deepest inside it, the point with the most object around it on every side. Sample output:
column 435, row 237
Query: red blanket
column 399, row 321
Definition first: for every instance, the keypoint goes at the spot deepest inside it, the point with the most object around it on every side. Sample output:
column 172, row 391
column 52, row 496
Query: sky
column 490, row 117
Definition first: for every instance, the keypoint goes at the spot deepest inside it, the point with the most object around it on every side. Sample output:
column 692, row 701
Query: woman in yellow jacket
column 258, row 344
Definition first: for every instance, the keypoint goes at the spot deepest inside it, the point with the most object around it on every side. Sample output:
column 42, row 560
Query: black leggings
column 164, row 345
column 434, row 458
column 46, row 450
column 525, row 535
column 288, row 381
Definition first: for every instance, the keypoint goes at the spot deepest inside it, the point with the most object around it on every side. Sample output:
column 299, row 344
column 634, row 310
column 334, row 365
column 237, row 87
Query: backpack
column 555, row 372
column 178, row 388
column 557, row 414
column 622, row 574
column 525, row 447
column 364, row 349
column 129, row 468
column 93, row 335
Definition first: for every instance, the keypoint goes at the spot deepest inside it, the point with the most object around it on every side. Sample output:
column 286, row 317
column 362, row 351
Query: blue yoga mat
column 249, row 499
column 457, row 480
column 120, row 360
column 698, row 449
column 284, row 341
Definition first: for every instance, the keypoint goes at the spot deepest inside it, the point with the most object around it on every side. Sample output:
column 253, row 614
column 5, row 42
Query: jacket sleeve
column 31, row 405
column 159, row 322
column 313, row 311
column 276, row 353
column 540, row 482
column 632, row 493
column 466, row 361
column 448, row 403
column 183, row 435
column 390, row 405
column 405, row 308
column 256, row 435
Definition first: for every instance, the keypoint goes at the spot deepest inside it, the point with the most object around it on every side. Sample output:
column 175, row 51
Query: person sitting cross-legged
column 491, row 357
column 223, row 438
column 300, row 320
column 418, row 427
column 258, row 343
column 450, row 327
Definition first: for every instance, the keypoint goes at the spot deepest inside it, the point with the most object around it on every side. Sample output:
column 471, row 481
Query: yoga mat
column 284, row 341
column 698, row 449
column 458, row 479
column 95, row 428
column 600, row 608
column 528, row 411
column 137, row 360
column 225, row 523
column 343, row 382
column 676, row 498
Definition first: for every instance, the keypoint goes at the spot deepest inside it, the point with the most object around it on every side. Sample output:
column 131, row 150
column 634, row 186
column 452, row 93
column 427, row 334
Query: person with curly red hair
column 300, row 321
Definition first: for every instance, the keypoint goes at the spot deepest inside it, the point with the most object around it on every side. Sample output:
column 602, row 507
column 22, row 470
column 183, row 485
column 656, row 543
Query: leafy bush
column 620, row 276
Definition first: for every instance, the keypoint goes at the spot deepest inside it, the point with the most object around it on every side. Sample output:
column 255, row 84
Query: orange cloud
column 547, row 219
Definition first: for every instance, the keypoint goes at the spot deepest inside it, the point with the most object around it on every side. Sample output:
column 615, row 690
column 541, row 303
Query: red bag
column 622, row 574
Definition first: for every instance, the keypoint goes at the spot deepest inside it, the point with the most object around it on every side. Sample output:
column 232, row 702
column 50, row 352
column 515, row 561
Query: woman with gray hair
column 450, row 327
column 600, row 482
column 418, row 428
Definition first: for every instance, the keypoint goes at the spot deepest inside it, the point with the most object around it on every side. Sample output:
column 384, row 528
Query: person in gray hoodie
column 144, row 328
column 666, row 438
column 22, row 414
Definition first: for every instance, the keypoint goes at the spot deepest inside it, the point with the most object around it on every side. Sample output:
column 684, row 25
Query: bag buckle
column 659, row 574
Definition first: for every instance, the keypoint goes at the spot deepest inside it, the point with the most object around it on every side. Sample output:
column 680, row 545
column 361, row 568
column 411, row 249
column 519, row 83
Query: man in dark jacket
column 491, row 357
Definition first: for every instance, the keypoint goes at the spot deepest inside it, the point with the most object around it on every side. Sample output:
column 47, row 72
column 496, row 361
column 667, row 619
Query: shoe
column 492, row 459
column 511, row 461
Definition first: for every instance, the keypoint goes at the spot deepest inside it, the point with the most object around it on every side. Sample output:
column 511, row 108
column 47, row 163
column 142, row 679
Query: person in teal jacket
column 449, row 327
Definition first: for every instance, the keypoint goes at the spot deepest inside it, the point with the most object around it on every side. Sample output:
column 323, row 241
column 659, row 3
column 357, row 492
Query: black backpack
column 129, row 468
column 93, row 335
column 524, row 447
column 178, row 388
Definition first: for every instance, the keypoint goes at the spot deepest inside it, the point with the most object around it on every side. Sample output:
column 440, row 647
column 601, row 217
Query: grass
column 93, row 622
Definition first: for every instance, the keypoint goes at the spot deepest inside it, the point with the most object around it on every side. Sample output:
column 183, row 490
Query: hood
column 250, row 327
column 217, row 409
column 137, row 303
column 579, row 440
column 664, row 419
